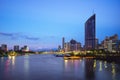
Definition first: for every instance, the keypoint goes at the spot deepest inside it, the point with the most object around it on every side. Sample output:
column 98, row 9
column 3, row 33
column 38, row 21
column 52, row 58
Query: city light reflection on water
column 66, row 63
column 38, row 67
column 72, row 64
column 113, row 71
column 12, row 59
column 100, row 68
column 94, row 64
column 105, row 64
column 26, row 63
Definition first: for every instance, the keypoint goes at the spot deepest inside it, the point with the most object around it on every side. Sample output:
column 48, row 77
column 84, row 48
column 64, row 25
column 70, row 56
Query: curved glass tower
column 90, row 33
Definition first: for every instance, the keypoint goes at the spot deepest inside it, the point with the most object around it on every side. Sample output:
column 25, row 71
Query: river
column 49, row 67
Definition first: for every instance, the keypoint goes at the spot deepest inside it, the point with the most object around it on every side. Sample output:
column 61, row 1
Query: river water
column 49, row 67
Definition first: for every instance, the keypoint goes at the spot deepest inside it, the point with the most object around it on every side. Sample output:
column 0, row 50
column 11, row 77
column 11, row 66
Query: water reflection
column 94, row 65
column 12, row 58
column 89, row 69
column 83, row 69
column 92, row 70
column 9, row 64
column 105, row 64
column 113, row 71
column 7, row 67
column 100, row 66
column 73, row 69
column 76, row 63
column 2, row 59
column 26, row 65
column 66, row 63
column 71, row 64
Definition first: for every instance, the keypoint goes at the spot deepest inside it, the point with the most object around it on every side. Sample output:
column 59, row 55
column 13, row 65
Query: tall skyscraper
column 63, row 42
column 90, row 33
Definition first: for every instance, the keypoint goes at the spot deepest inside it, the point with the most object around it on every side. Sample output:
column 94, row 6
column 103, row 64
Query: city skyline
column 42, row 24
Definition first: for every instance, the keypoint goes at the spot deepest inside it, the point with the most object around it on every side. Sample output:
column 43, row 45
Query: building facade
column 111, row 44
column 4, row 47
column 63, row 42
column 72, row 46
column 90, row 33
column 25, row 49
column 16, row 48
column 59, row 48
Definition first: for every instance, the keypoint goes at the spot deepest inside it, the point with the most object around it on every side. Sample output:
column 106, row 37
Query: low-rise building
column 110, row 44
column 73, row 45
column 25, row 49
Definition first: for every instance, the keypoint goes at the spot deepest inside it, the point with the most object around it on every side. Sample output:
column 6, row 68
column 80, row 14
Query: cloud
column 18, row 36
column 31, row 38
column 6, row 34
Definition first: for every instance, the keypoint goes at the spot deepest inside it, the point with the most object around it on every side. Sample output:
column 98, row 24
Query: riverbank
column 17, row 54
column 111, row 57
column 108, row 58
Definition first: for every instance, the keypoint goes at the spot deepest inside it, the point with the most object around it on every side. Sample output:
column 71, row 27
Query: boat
column 71, row 57
column 59, row 55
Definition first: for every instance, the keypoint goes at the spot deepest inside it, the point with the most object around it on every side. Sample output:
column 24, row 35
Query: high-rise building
column 67, row 46
column 59, row 48
column 118, row 46
column 63, row 42
column 4, row 47
column 90, row 33
column 96, row 43
column 16, row 48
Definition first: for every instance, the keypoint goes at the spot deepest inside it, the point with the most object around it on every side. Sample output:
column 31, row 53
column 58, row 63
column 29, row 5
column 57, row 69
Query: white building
column 25, row 49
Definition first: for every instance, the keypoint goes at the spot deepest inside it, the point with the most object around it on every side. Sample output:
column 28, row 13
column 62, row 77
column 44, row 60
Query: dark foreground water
column 49, row 67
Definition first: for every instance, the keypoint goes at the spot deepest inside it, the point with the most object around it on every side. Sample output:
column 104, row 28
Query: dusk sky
column 42, row 23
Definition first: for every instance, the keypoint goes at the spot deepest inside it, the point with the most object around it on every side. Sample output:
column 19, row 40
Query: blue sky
column 43, row 23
